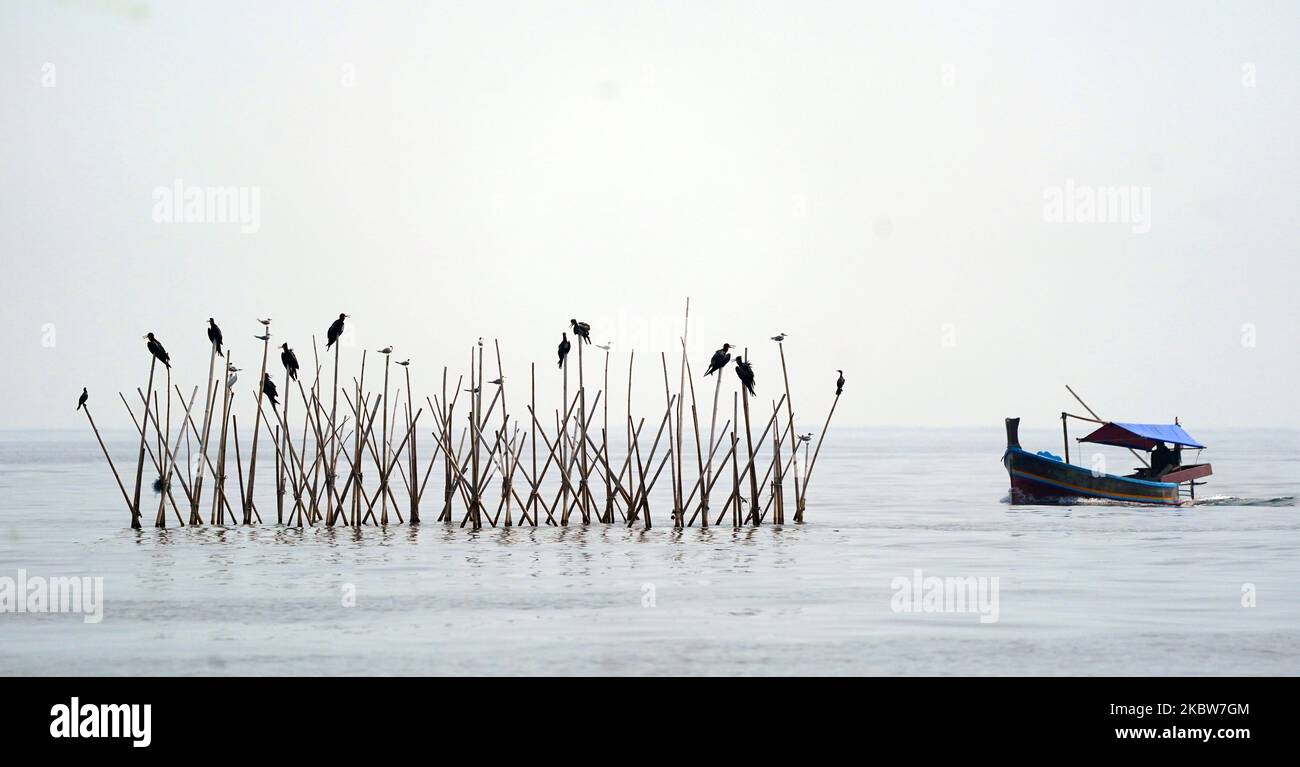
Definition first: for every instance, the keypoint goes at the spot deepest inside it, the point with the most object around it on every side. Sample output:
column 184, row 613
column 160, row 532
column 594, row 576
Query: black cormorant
column 81, row 401
column 290, row 361
column 335, row 331
column 214, row 335
column 581, row 330
column 564, row 348
column 157, row 350
column 839, row 383
column 268, row 388
column 719, row 359
column 746, row 375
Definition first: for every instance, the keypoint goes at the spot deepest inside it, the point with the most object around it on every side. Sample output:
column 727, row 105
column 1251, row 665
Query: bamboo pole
column 139, row 466
column 749, row 441
column 680, row 513
column 383, row 475
column 584, row 495
column 803, row 497
column 219, row 478
column 414, row 491
column 125, row 496
column 209, row 397
column 789, row 409
column 164, row 436
column 699, row 452
column 333, row 462
column 257, row 427
column 282, row 436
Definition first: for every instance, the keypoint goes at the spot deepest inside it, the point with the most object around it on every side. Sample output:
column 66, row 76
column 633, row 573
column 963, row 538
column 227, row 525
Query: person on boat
column 1162, row 459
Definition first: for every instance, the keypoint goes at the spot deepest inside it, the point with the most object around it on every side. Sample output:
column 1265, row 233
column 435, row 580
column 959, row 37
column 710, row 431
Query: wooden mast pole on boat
column 1065, row 437
column 1100, row 420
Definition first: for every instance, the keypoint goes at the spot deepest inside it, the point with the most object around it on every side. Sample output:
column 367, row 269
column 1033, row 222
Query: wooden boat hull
column 1038, row 478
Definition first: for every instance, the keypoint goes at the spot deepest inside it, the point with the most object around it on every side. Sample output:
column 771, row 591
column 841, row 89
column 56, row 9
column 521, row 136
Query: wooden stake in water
column 125, row 497
column 803, row 497
column 139, row 467
column 208, row 400
column 257, row 428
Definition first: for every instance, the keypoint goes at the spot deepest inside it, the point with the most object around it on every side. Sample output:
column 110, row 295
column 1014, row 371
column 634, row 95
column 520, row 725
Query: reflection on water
column 1084, row 589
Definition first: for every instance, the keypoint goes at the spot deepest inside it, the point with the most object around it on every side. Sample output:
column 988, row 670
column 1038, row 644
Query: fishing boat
column 1163, row 479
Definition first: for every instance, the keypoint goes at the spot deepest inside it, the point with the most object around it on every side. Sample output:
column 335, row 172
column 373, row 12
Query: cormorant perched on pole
column 839, row 383
column 719, row 359
column 268, row 388
column 157, row 350
column 746, row 375
column 290, row 361
column 335, row 331
column 81, row 401
column 564, row 348
column 581, row 330
column 214, row 335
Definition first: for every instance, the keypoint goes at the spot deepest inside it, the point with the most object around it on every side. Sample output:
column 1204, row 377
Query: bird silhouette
column 81, row 401
column 266, row 321
column 157, row 350
column 779, row 337
column 805, row 437
column 336, row 330
column 475, row 390
column 290, row 361
column 839, row 383
column 263, row 337
column 386, row 350
column 498, row 381
column 564, row 348
column 746, row 375
column 604, row 347
column 268, row 388
column 234, row 376
column 581, row 330
column 719, row 359
column 214, row 335
column 404, row 363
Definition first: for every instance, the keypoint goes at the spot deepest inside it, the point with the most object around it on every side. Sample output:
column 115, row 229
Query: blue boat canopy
column 1141, row 436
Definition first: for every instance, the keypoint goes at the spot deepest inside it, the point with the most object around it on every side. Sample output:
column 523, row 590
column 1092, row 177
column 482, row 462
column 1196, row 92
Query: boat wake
column 1233, row 500
column 1213, row 500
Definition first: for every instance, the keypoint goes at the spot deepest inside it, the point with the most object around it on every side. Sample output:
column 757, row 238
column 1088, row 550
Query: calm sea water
column 1091, row 589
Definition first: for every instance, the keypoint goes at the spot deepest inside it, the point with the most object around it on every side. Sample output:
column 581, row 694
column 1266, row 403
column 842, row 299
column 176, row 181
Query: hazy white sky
column 869, row 177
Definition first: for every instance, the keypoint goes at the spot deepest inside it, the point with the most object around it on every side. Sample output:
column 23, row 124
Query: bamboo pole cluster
column 344, row 454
